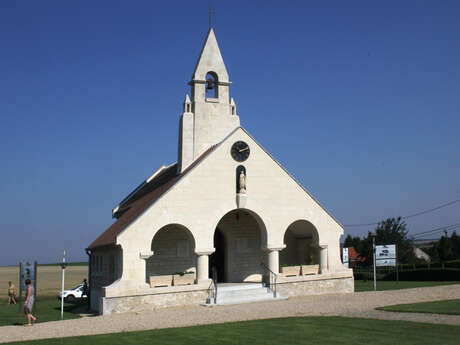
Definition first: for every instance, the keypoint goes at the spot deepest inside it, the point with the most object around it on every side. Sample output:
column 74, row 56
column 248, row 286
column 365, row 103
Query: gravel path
column 360, row 304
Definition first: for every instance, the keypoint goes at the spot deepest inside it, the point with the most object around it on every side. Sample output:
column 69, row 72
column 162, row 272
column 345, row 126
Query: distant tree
column 455, row 245
column 393, row 231
column 388, row 231
column 432, row 251
column 444, row 249
column 354, row 242
column 348, row 241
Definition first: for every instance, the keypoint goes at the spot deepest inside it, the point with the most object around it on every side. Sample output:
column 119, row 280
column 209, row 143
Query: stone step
column 242, row 293
column 248, row 292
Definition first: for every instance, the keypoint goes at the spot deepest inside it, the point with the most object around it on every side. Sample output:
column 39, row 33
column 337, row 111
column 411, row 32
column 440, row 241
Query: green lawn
column 308, row 330
column 449, row 307
column 47, row 309
column 361, row 285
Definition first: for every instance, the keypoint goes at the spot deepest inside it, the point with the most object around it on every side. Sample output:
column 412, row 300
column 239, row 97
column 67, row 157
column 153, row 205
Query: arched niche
column 302, row 245
column 173, row 249
column 239, row 169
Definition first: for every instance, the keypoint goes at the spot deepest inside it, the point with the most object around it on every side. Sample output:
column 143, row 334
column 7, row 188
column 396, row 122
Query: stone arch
column 212, row 85
column 173, row 247
column 239, row 239
column 301, row 239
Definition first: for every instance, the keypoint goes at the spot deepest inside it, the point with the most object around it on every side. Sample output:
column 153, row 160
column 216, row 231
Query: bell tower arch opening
column 212, row 85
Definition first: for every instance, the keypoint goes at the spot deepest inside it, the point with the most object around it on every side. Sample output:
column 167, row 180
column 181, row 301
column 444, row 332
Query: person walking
column 11, row 293
column 29, row 303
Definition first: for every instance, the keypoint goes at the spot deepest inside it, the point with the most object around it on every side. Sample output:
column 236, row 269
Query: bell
column 209, row 83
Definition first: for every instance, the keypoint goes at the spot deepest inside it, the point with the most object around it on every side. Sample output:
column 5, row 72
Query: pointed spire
column 187, row 104
column 210, row 60
column 232, row 107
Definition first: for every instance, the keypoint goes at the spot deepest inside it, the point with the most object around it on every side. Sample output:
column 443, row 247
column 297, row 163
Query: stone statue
column 242, row 182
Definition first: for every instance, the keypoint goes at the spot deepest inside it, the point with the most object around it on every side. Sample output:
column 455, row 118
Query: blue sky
column 358, row 100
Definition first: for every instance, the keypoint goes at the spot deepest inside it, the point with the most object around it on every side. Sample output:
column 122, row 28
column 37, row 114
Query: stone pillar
column 273, row 260
column 323, row 264
column 202, row 266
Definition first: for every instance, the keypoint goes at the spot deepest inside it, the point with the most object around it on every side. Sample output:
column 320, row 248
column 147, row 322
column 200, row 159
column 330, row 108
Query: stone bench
column 310, row 269
column 160, row 280
column 290, row 271
column 186, row 279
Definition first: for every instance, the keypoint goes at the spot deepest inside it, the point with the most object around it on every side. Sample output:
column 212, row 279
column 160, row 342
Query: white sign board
column 345, row 257
column 385, row 255
column 27, row 272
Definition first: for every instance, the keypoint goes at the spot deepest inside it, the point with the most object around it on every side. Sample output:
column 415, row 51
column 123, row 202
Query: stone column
column 272, row 263
column 323, row 265
column 202, row 266
column 273, row 260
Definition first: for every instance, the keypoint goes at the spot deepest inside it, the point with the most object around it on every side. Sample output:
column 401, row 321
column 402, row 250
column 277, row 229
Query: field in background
column 49, row 278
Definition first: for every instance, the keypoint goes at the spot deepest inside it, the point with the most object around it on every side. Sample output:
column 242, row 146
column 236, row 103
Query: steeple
column 210, row 59
column 209, row 116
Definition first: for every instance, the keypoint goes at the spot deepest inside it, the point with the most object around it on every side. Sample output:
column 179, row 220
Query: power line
column 436, row 230
column 411, row 215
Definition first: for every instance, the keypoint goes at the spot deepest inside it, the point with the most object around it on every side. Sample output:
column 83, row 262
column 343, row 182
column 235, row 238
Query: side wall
column 106, row 267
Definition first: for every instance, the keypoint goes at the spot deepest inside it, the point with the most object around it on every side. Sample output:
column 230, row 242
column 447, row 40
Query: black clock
column 240, row 151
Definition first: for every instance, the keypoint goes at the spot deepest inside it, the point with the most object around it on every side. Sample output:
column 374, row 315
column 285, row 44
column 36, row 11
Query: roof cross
column 210, row 13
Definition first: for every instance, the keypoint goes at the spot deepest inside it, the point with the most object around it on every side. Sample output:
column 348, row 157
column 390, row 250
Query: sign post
column 396, row 256
column 63, row 265
column 373, row 251
column 386, row 256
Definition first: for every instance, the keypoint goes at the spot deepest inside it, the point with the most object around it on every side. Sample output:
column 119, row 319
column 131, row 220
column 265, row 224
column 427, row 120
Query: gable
column 210, row 182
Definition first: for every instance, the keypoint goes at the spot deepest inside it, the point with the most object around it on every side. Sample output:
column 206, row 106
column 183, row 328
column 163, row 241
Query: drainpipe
column 88, row 252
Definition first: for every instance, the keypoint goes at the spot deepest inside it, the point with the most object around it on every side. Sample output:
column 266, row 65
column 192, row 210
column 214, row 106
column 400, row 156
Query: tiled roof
column 142, row 199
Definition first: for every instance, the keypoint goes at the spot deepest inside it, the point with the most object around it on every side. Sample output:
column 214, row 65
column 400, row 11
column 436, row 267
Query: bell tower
column 210, row 115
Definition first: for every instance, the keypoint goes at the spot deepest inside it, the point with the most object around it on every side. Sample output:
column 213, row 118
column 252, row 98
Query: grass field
column 449, row 307
column 361, row 285
column 286, row 331
column 49, row 279
column 46, row 309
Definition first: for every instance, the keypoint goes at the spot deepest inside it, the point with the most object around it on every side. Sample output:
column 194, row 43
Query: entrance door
column 217, row 259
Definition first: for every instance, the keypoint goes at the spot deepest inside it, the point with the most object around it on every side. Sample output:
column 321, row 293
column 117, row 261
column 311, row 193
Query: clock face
column 240, row 151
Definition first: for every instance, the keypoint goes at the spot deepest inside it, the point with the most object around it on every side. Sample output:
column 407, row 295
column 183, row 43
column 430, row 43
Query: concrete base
column 148, row 302
column 316, row 285
column 156, row 298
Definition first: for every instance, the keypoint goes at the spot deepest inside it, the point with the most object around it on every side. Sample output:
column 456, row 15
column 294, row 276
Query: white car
column 73, row 294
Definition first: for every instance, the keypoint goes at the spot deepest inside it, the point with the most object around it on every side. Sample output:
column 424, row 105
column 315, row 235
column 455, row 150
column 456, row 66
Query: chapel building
column 226, row 220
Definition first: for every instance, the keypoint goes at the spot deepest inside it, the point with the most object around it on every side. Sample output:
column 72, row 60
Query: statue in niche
column 242, row 182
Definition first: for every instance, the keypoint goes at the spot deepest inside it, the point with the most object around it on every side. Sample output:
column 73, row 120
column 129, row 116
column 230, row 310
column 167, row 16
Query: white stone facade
column 204, row 219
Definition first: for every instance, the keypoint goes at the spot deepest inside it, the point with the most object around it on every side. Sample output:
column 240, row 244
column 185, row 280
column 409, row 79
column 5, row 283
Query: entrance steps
column 242, row 293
